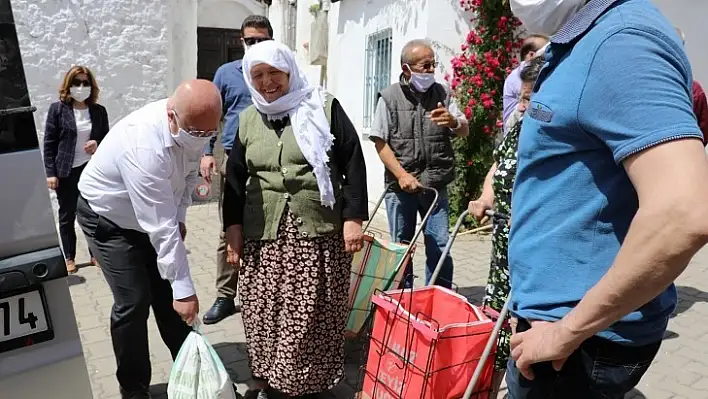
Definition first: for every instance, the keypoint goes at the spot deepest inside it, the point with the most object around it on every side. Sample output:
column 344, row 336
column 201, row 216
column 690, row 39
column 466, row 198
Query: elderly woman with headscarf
column 294, row 203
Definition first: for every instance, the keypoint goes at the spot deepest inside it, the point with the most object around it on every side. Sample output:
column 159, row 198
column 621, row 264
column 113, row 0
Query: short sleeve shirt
column 617, row 82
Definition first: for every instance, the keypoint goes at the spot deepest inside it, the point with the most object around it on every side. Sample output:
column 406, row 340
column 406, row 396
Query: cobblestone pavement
column 680, row 370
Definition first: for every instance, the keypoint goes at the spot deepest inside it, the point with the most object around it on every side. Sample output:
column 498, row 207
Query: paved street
column 680, row 370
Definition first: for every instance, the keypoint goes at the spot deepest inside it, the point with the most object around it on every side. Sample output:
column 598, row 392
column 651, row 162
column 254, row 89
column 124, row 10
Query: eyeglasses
column 80, row 82
column 250, row 41
column 194, row 132
column 429, row 65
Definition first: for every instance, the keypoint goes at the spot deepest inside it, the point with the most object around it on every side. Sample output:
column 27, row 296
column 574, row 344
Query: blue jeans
column 402, row 209
column 599, row 369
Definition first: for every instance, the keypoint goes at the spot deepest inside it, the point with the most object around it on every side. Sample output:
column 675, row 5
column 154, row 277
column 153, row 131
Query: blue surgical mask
column 422, row 81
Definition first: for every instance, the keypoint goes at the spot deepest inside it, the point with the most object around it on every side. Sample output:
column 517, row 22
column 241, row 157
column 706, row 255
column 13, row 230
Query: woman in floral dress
column 496, row 195
column 294, row 201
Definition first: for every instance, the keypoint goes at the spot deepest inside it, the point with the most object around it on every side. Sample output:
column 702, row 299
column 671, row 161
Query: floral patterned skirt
column 497, row 289
column 294, row 294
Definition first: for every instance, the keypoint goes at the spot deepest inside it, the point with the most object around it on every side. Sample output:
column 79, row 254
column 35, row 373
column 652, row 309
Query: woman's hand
column 353, row 236
column 234, row 244
column 478, row 209
column 91, row 146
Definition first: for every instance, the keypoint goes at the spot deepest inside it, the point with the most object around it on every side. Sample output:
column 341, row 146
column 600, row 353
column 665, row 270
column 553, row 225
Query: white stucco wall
column 444, row 24
column 276, row 15
column 226, row 14
column 690, row 17
column 124, row 43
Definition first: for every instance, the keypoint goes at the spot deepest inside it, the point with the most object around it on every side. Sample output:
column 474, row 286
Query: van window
column 17, row 128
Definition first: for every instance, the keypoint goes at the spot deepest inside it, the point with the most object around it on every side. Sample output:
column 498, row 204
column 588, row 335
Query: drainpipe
column 326, row 5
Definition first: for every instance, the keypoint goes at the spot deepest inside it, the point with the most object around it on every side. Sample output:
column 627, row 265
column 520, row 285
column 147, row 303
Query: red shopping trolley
column 430, row 343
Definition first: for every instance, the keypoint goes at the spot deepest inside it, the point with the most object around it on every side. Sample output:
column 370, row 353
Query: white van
column 40, row 348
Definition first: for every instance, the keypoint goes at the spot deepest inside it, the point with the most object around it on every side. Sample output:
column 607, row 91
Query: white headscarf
column 303, row 103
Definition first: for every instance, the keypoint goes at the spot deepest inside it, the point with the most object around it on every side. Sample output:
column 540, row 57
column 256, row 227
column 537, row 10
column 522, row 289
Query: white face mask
column 545, row 16
column 190, row 143
column 80, row 93
column 422, row 81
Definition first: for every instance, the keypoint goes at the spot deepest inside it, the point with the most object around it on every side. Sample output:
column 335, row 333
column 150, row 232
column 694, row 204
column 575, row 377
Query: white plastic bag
column 198, row 373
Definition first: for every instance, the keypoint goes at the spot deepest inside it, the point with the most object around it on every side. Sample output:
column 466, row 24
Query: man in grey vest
column 412, row 128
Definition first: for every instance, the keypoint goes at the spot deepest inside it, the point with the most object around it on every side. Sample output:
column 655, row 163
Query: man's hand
column 409, row 183
column 90, row 147
column 187, row 308
column 234, row 244
column 182, row 230
column 207, row 167
column 353, row 236
column 442, row 117
column 52, row 183
column 478, row 209
column 544, row 342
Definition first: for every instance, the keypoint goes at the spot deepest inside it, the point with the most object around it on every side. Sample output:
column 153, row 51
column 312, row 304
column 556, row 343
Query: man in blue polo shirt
column 606, row 209
column 236, row 98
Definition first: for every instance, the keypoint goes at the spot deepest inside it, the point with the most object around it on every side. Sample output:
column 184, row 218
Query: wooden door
column 215, row 47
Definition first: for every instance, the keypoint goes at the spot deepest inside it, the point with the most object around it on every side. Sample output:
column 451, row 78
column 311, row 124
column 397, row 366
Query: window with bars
column 378, row 70
column 290, row 18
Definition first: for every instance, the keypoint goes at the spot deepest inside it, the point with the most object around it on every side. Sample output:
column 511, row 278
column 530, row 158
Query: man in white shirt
column 134, row 197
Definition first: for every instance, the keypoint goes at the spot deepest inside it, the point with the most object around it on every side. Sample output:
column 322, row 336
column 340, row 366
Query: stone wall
column 125, row 44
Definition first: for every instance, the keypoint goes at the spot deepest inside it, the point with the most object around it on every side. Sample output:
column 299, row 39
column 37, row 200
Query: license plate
column 23, row 320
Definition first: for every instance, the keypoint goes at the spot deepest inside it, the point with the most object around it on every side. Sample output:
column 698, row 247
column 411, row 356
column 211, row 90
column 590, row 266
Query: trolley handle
column 383, row 196
column 495, row 214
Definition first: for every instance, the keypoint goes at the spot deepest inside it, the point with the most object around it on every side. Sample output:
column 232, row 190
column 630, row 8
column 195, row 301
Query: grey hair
column 530, row 72
column 681, row 35
column 407, row 52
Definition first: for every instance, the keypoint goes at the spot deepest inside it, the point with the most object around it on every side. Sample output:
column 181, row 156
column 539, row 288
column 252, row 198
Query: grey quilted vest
column 423, row 148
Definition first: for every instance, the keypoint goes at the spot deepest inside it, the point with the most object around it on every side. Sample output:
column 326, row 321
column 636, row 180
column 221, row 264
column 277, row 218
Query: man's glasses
column 250, row 41
column 194, row 132
column 80, row 82
column 429, row 65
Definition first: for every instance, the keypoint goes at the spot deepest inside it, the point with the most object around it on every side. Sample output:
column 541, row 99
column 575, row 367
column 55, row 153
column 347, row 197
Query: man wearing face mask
column 135, row 192
column 236, row 98
column 412, row 128
column 606, row 209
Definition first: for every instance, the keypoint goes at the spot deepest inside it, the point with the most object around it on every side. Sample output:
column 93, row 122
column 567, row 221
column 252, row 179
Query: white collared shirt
column 141, row 180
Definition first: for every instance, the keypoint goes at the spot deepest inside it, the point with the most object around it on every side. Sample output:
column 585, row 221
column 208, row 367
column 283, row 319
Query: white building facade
column 365, row 41
column 138, row 50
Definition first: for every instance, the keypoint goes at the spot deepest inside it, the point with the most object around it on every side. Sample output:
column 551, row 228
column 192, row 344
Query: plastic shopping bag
column 198, row 373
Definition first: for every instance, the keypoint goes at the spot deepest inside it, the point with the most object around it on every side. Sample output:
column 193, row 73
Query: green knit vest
column 280, row 177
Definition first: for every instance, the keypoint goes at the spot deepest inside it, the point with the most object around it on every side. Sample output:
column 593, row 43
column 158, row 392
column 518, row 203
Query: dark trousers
column 599, row 369
column 129, row 264
column 67, row 197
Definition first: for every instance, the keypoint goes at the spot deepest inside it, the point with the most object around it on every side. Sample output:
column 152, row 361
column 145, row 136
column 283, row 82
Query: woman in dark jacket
column 75, row 126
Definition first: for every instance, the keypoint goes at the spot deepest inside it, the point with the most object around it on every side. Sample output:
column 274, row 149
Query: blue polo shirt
column 235, row 98
column 617, row 81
